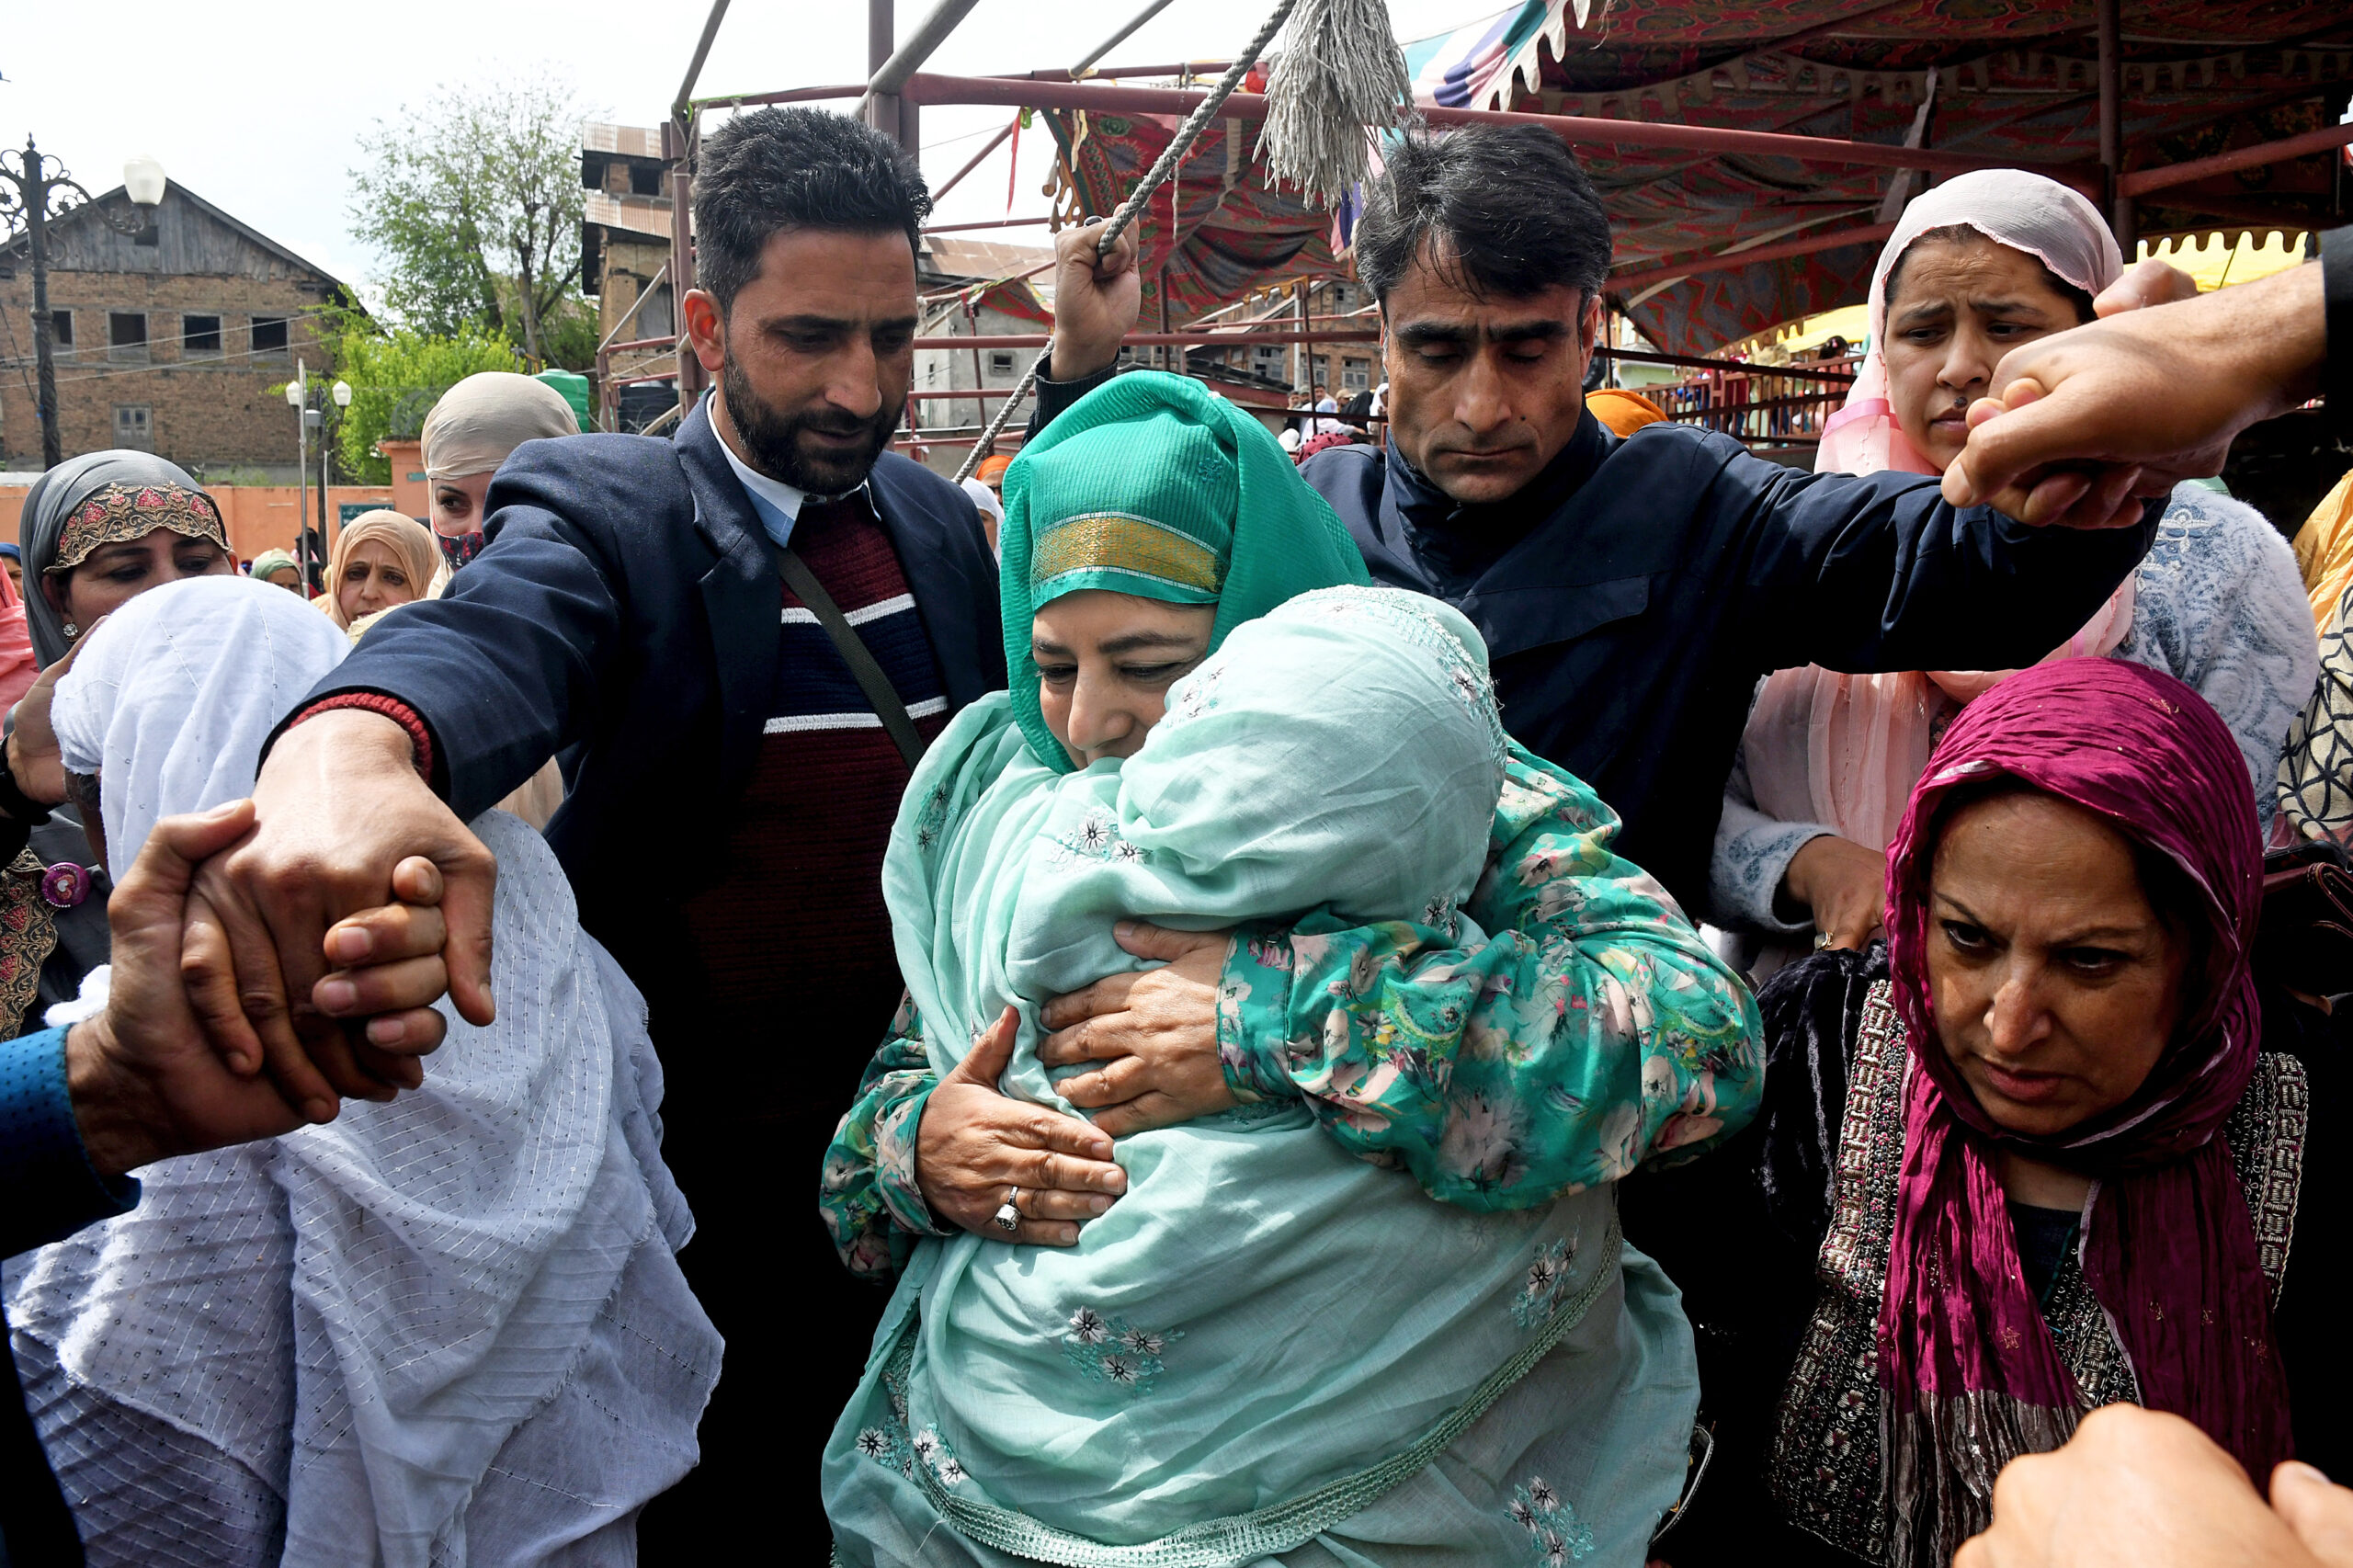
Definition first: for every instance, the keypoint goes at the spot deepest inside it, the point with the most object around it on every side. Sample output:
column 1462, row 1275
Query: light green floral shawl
column 1264, row 1334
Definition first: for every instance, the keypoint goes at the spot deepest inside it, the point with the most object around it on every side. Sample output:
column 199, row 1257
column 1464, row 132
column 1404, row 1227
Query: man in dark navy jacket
column 731, row 787
column 1632, row 592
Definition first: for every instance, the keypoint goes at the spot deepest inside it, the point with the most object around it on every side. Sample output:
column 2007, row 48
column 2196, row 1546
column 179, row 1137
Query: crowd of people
column 1311, row 1122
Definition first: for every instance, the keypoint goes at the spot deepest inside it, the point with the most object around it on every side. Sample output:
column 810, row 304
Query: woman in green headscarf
column 1266, row 1349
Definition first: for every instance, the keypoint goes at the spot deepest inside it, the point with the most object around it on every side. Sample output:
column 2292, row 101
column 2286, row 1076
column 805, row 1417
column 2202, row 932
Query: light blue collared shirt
column 778, row 504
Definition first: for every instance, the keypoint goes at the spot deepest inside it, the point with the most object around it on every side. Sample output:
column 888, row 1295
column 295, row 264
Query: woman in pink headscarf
column 1977, row 267
column 18, row 668
column 2046, row 1149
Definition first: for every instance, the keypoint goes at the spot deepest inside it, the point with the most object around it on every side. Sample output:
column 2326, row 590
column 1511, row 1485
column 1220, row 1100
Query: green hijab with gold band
column 1153, row 485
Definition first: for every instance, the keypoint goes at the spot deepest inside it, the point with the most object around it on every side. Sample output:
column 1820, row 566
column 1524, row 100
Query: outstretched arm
column 452, row 704
column 1592, row 1031
column 139, row 1083
column 2156, row 395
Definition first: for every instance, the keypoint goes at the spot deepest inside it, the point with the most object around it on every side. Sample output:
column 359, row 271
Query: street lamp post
column 32, row 190
column 306, row 419
column 340, row 395
column 298, row 398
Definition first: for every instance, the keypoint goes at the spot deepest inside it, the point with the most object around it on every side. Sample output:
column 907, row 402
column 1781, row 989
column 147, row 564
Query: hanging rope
column 1163, row 167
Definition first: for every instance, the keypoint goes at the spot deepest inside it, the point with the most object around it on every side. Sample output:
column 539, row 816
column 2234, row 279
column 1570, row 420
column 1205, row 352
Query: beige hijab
column 411, row 543
column 487, row 416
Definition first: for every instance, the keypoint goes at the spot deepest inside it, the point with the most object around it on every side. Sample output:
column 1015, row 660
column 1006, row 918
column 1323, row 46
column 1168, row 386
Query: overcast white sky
column 254, row 104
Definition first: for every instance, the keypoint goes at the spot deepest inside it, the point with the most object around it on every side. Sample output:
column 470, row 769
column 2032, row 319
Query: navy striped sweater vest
column 795, row 923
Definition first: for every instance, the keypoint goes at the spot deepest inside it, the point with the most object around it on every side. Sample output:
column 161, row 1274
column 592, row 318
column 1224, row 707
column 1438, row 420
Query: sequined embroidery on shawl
column 1826, row 1464
column 28, row 936
column 1825, row 1470
column 926, row 1459
column 1113, row 1351
column 2266, row 1133
column 123, row 512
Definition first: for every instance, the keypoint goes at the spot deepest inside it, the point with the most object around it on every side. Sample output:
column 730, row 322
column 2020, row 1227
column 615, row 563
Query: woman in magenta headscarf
column 2046, row 1149
column 1978, row 266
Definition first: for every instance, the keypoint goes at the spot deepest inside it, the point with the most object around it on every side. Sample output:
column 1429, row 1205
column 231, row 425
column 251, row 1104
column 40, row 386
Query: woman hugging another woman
column 1267, row 1349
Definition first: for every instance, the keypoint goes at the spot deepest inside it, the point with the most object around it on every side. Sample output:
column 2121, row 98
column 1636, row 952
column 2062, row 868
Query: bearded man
column 731, row 784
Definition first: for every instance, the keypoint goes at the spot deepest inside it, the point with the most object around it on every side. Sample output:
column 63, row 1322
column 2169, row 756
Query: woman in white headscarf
column 469, row 432
column 1978, row 266
column 474, row 427
column 444, row 1330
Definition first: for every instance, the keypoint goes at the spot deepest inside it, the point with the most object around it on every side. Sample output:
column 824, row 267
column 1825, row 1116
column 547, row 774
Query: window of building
column 199, row 335
column 269, row 334
column 1356, row 375
column 127, row 333
column 134, row 426
column 61, row 328
column 1000, row 362
column 644, row 179
column 653, row 318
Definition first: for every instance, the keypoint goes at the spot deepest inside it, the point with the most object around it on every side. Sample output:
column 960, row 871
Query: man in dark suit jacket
column 731, row 787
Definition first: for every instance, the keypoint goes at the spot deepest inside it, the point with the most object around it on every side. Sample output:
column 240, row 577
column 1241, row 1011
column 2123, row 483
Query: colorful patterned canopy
column 1232, row 236
column 2013, row 79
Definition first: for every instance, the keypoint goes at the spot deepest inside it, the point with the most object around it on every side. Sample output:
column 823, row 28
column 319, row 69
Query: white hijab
column 445, row 1329
column 174, row 696
column 2047, row 221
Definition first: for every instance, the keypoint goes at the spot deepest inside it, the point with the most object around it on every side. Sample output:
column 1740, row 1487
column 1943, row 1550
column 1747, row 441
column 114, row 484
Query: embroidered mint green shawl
column 1264, row 1334
column 1154, row 486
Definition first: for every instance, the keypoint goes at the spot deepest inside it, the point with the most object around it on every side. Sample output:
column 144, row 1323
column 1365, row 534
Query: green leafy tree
column 395, row 378
column 474, row 200
column 568, row 332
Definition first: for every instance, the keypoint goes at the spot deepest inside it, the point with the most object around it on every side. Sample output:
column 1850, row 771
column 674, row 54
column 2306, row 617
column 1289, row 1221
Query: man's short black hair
column 1504, row 209
column 796, row 168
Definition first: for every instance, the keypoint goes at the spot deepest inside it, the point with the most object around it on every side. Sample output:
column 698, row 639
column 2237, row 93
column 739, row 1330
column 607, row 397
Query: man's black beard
column 772, row 441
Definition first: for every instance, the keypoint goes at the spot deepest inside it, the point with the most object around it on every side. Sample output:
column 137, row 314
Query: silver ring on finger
column 1008, row 1218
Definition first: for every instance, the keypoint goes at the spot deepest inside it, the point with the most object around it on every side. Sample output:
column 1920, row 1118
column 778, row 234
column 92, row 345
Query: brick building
column 625, row 253
column 167, row 341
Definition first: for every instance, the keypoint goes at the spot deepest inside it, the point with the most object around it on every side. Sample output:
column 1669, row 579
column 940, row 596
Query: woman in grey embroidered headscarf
column 90, row 538
column 98, row 532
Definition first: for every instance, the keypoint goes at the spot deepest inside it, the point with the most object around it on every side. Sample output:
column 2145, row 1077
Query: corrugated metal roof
column 647, row 215
column 623, row 140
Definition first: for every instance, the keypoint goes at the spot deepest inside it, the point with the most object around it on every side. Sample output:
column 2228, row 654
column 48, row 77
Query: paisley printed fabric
column 2316, row 787
column 868, row 1196
column 1590, row 1033
column 1587, row 1034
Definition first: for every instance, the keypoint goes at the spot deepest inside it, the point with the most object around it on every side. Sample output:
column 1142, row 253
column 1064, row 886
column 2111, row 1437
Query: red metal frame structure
column 1873, row 49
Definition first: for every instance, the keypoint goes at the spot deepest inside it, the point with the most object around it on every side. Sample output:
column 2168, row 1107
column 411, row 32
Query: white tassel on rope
column 1164, row 166
column 1340, row 76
